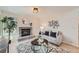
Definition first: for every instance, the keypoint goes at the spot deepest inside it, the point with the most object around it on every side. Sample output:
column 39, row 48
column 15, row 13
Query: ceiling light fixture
column 35, row 10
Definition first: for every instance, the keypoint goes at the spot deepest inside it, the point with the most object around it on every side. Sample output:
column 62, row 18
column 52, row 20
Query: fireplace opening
column 25, row 31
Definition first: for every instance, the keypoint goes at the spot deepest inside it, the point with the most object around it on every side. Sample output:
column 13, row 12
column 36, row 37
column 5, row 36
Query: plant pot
column 9, row 42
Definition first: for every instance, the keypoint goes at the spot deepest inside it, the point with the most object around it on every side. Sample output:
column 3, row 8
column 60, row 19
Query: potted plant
column 9, row 26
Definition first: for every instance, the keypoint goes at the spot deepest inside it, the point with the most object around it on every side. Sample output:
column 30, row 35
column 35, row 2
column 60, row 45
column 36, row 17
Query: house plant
column 9, row 26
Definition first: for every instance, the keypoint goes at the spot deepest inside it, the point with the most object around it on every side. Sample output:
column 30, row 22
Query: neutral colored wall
column 68, row 27
column 35, row 25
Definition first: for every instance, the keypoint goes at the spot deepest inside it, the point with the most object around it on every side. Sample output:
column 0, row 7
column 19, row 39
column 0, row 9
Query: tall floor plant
column 9, row 26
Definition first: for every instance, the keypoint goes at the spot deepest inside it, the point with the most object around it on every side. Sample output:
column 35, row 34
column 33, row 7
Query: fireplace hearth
column 25, row 31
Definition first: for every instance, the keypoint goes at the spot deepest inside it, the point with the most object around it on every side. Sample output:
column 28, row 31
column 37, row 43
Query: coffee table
column 39, row 49
column 39, row 45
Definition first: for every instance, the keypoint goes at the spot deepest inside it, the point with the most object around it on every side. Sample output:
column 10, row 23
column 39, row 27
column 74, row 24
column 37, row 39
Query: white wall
column 27, row 20
column 68, row 26
column 35, row 25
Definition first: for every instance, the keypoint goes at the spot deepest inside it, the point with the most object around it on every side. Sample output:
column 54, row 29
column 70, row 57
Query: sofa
column 52, row 37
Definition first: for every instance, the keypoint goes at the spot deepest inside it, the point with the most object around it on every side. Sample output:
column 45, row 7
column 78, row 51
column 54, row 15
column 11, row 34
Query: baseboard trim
column 70, row 44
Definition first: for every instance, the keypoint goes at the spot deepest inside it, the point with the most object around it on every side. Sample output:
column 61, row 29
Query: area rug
column 27, row 48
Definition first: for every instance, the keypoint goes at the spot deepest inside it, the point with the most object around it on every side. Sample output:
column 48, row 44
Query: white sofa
column 55, row 40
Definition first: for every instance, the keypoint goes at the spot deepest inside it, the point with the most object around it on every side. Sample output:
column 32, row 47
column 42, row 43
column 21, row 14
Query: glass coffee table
column 39, row 49
column 39, row 45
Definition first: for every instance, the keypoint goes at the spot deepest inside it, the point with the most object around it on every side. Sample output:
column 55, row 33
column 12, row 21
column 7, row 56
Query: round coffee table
column 39, row 45
column 39, row 49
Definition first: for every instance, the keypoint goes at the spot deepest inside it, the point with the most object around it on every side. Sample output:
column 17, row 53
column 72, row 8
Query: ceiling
column 43, row 10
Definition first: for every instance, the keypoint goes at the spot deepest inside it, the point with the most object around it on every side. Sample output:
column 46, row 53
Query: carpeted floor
column 27, row 48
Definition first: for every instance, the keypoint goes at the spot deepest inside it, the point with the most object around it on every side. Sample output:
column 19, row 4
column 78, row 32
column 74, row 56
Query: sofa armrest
column 59, row 38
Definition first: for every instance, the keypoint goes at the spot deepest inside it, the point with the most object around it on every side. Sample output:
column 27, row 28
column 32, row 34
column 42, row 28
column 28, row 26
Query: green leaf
column 10, row 23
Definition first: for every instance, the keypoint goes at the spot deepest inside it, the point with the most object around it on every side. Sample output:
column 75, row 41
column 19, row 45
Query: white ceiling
column 43, row 10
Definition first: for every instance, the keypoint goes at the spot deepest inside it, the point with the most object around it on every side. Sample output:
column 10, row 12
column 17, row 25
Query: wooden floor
column 70, row 48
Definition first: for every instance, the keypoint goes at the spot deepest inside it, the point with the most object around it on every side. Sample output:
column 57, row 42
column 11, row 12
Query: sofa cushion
column 53, row 34
column 46, row 33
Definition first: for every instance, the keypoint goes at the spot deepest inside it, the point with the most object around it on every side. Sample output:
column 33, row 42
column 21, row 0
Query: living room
column 57, row 25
